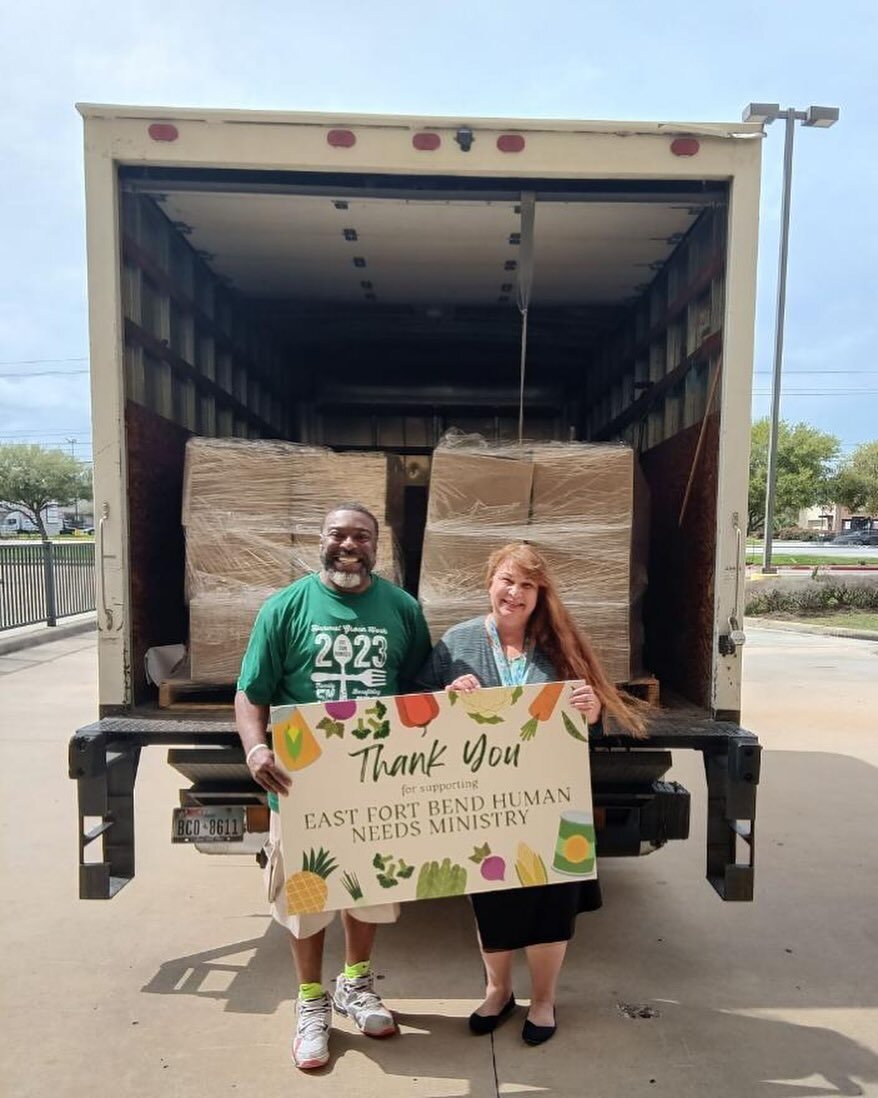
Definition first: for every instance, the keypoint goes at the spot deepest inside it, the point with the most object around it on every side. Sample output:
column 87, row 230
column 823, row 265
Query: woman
column 528, row 637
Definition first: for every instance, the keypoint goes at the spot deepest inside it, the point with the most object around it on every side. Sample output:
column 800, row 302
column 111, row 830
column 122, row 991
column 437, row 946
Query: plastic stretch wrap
column 219, row 628
column 280, row 484
column 583, row 506
column 222, row 558
column 253, row 510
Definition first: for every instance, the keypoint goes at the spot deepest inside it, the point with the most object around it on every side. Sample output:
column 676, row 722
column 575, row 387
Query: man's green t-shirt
column 311, row 643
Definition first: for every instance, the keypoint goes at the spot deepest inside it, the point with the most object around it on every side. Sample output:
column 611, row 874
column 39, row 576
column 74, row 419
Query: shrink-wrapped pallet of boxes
column 252, row 512
column 583, row 506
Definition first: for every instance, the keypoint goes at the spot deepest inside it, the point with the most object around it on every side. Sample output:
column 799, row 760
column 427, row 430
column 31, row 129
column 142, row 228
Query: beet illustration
column 491, row 866
column 494, row 868
column 341, row 710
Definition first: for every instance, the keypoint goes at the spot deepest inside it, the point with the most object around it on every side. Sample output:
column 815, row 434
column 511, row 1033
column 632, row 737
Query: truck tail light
column 426, row 142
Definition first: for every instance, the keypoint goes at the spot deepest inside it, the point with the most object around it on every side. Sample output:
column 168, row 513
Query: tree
column 856, row 485
column 32, row 477
column 806, row 460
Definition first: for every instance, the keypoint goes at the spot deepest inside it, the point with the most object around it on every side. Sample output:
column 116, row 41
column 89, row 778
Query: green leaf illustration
column 529, row 728
column 516, row 694
column 352, row 886
column 406, row 872
column 331, row 728
column 480, row 853
column 452, row 697
column 294, row 743
column 572, row 730
column 480, row 718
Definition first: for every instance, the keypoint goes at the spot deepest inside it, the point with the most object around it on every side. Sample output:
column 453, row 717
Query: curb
column 33, row 636
column 818, row 630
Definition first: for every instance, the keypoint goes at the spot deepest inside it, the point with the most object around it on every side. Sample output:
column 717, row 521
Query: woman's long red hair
column 557, row 637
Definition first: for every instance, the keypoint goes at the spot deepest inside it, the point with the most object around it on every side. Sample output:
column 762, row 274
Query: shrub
column 813, row 599
column 800, row 533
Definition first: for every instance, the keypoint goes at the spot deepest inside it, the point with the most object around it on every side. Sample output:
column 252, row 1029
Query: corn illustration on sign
column 428, row 795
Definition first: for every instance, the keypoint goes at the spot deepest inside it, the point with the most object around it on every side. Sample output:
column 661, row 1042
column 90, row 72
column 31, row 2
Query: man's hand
column 586, row 701
column 267, row 773
column 252, row 723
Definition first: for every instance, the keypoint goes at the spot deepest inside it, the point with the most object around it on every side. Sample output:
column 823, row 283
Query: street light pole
column 72, row 442
column 774, row 422
column 819, row 118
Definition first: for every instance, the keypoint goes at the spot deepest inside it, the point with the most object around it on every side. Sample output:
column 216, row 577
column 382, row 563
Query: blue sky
column 564, row 60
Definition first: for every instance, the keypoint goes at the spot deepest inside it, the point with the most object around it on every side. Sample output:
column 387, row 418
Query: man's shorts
column 305, row 926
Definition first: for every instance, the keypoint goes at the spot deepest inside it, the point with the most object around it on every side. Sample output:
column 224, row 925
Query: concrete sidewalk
column 809, row 627
column 181, row 985
column 31, row 636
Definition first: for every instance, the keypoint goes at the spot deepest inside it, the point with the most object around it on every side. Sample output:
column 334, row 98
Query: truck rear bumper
column 640, row 811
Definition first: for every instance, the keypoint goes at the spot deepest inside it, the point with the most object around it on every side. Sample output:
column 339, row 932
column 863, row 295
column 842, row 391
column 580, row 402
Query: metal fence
column 44, row 582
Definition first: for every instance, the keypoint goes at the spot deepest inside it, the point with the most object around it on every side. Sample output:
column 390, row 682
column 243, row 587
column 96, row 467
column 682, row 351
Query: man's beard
column 339, row 577
column 347, row 579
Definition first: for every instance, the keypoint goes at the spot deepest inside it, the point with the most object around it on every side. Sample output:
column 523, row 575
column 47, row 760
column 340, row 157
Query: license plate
column 215, row 823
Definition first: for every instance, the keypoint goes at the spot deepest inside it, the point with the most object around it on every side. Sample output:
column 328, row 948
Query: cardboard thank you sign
column 427, row 795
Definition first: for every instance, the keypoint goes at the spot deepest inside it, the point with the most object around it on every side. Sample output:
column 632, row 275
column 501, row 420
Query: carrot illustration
column 541, row 708
column 417, row 710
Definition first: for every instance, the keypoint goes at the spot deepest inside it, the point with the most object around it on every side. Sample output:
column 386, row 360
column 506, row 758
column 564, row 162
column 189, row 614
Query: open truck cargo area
column 358, row 283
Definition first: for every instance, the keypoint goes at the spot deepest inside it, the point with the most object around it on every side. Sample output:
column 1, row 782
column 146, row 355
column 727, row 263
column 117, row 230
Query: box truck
column 363, row 283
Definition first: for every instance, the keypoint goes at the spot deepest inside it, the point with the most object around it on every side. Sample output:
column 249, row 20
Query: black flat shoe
column 536, row 1035
column 480, row 1024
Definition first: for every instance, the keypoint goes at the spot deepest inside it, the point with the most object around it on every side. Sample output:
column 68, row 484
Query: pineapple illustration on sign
column 307, row 890
column 294, row 743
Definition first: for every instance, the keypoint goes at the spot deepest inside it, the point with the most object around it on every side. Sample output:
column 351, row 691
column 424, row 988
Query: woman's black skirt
column 519, row 917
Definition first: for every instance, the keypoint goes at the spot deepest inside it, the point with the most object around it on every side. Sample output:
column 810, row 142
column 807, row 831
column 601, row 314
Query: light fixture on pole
column 818, row 118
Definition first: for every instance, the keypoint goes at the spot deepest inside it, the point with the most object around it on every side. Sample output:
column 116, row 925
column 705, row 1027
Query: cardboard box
column 591, row 484
column 225, row 476
column 322, row 479
column 221, row 559
column 467, row 486
column 280, row 484
column 219, row 628
column 583, row 507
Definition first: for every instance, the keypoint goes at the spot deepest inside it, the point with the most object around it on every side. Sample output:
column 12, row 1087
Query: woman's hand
column 464, row 684
column 586, row 701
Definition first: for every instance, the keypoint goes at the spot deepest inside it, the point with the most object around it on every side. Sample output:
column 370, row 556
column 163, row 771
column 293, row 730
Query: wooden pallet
column 645, row 687
column 186, row 694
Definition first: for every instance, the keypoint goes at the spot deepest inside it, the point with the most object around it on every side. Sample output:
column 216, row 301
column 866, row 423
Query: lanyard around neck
column 511, row 672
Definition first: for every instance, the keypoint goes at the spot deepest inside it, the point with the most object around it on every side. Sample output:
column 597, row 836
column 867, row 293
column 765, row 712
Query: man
column 342, row 633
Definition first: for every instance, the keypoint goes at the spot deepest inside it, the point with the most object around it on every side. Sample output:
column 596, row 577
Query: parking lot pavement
column 181, row 986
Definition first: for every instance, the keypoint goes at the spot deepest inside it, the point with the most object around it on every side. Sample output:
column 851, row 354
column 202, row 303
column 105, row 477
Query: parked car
column 857, row 537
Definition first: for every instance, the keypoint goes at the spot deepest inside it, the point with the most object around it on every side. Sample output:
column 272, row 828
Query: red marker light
column 510, row 143
column 163, row 131
column 341, row 139
column 685, row 146
column 426, row 142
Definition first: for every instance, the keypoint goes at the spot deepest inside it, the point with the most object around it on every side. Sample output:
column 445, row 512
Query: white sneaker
column 311, row 1043
column 357, row 1000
